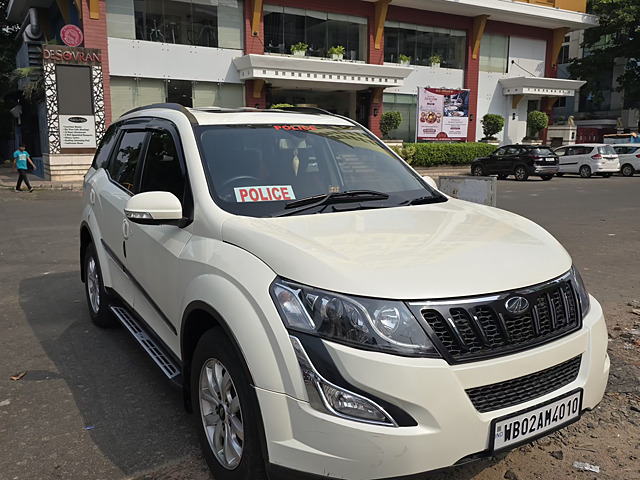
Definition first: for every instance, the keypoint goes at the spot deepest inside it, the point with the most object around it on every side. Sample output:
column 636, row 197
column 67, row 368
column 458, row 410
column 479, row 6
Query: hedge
column 435, row 154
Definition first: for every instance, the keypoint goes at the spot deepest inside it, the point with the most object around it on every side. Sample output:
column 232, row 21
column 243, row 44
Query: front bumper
column 449, row 428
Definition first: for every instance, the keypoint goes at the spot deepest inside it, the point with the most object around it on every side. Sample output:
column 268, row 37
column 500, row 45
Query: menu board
column 443, row 114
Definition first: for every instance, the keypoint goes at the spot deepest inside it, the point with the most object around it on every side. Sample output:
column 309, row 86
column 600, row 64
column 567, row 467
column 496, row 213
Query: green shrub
column 536, row 122
column 436, row 154
column 389, row 121
column 491, row 124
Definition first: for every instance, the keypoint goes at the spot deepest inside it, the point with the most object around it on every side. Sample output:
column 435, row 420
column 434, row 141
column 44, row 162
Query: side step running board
column 169, row 368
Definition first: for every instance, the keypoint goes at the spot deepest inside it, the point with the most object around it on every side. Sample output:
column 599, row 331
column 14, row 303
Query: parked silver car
column 629, row 155
column 588, row 159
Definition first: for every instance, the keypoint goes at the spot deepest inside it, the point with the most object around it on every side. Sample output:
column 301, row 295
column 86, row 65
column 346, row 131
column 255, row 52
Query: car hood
column 430, row 251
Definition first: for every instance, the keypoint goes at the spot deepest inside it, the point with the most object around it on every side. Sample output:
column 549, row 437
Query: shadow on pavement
column 131, row 412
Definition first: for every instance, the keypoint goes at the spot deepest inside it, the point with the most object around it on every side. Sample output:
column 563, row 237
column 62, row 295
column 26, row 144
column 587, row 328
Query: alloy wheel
column 221, row 414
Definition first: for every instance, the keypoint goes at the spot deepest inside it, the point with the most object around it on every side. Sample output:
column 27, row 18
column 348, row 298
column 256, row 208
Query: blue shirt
column 21, row 159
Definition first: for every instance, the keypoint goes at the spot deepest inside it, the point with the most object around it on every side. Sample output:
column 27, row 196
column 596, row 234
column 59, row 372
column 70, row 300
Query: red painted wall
column 95, row 36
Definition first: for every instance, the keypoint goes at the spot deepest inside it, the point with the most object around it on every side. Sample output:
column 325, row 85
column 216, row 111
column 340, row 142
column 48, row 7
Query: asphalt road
column 93, row 405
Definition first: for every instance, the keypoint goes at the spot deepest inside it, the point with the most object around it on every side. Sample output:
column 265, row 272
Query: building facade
column 232, row 53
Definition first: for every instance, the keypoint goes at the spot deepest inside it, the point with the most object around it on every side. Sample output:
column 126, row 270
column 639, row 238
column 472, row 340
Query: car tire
column 477, row 170
column 559, row 174
column 225, row 410
column 546, row 177
column 627, row 170
column 502, row 176
column 521, row 173
column 585, row 171
column 98, row 299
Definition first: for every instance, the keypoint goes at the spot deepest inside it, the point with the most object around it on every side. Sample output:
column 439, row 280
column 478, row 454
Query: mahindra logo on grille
column 516, row 305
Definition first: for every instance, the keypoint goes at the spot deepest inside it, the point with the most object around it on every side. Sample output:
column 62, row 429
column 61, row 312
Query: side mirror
column 154, row 208
column 430, row 181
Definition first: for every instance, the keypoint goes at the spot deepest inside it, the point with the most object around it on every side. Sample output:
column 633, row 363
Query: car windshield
column 274, row 170
column 606, row 150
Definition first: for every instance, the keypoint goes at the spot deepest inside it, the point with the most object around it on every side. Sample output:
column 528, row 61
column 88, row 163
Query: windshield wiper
column 425, row 200
column 308, row 203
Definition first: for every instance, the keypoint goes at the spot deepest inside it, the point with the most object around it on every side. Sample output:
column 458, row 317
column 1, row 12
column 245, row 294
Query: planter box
column 299, row 53
column 337, row 56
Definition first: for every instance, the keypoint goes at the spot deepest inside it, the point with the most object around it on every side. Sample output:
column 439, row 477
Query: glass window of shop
column 205, row 23
column 285, row 26
column 128, row 93
column 494, row 53
column 407, row 105
column 421, row 42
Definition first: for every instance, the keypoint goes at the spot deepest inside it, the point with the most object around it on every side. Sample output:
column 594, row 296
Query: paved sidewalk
column 9, row 179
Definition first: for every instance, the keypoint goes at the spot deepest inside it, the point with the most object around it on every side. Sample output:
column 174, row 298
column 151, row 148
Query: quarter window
column 123, row 168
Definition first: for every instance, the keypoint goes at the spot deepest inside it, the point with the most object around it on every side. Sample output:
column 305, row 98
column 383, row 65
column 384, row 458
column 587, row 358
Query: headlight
column 383, row 325
column 583, row 296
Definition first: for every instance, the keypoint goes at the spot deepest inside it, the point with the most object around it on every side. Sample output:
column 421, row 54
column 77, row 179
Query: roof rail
column 169, row 106
column 316, row 110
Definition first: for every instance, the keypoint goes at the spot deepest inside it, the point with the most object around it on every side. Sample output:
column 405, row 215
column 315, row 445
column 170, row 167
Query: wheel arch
column 85, row 240
column 200, row 317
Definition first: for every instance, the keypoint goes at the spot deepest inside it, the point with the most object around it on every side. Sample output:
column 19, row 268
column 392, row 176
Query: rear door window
column 103, row 153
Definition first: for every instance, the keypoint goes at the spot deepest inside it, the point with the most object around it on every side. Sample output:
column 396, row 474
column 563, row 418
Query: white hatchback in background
column 629, row 155
column 588, row 159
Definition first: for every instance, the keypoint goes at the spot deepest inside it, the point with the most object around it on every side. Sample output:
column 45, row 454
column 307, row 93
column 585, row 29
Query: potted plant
column 536, row 122
column 299, row 49
column 404, row 59
column 492, row 124
column 435, row 60
column 390, row 120
column 336, row 52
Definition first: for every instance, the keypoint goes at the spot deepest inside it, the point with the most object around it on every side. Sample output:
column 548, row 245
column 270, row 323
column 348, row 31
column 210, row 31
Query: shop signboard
column 71, row 36
column 443, row 115
column 77, row 131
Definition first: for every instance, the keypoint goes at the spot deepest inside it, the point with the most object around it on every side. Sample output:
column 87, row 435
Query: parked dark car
column 521, row 161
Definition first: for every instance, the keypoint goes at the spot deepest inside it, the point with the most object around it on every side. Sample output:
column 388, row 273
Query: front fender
column 238, row 299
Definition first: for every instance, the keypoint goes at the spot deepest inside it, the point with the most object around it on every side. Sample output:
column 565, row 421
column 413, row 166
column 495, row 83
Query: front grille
column 519, row 390
column 473, row 329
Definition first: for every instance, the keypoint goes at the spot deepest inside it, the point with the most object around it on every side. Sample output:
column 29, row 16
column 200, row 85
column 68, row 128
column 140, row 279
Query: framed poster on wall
column 443, row 115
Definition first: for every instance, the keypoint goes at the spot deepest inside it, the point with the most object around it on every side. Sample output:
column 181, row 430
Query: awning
column 319, row 73
column 540, row 86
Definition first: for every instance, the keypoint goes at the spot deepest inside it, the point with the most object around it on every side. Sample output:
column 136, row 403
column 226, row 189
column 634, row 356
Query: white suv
column 327, row 312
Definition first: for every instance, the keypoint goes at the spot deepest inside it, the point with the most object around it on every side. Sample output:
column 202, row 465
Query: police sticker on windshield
column 274, row 193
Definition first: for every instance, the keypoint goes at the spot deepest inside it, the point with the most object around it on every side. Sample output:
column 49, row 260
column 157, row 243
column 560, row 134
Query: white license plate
column 537, row 421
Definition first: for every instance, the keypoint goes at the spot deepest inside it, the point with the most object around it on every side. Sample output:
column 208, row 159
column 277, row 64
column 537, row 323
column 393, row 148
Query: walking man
column 20, row 159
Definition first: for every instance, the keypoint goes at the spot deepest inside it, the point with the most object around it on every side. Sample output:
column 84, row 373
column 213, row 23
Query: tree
column 617, row 36
column 536, row 122
column 492, row 124
column 8, row 88
column 389, row 121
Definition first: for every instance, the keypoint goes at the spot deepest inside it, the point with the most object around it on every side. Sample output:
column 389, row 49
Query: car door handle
column 126, row 229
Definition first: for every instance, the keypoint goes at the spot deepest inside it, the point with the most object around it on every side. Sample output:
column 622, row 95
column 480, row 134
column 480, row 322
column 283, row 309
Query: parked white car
column 586, row 159
column 327, row 313
column 629, row 155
